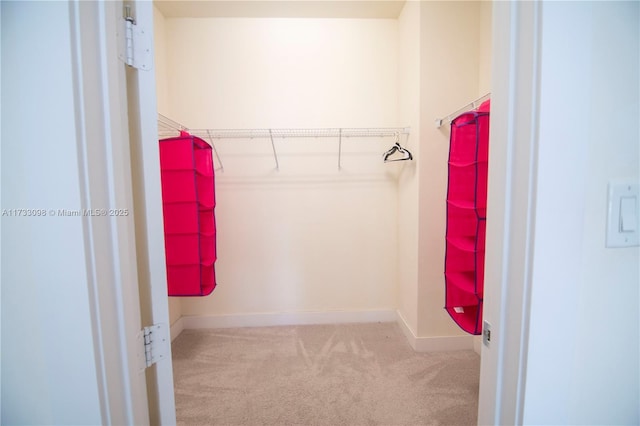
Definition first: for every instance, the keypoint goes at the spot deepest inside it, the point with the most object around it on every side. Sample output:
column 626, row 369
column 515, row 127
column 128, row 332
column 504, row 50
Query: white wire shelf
column 298, row 133
column 471, row 105
column 170, row 128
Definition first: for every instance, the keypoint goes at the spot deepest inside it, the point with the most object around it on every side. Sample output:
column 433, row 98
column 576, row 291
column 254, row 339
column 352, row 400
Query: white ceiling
column 368, row 9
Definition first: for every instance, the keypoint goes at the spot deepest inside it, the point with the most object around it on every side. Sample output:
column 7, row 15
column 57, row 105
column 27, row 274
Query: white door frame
column 116, row 302
column 104, row 163
column 119, row 164
column 145, row 166
column 511, row 207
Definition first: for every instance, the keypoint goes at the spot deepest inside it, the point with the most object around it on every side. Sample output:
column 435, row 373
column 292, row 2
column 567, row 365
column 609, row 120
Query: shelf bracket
column 273, row 145
column 339, row 149
column 215, row 151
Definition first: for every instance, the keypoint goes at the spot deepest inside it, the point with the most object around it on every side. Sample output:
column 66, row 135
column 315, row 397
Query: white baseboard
column 434, row 344
column 477, row 344
column 286, row 318
column 444, row 343
column 419, row 344
column 177, row 328
column 406, row 329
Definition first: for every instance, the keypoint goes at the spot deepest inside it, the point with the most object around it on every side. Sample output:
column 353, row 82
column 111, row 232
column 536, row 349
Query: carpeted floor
column 350, row 374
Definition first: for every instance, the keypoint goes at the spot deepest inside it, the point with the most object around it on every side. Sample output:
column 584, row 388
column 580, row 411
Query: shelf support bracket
column 339, row 149
column 273, row 145
column 213, row 145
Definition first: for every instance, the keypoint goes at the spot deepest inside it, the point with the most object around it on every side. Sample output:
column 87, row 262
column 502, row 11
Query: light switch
column 623, row 215
column 628, row 214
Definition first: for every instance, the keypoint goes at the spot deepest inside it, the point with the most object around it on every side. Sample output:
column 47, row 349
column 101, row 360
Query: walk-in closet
column 309, row 281
column 300, row 102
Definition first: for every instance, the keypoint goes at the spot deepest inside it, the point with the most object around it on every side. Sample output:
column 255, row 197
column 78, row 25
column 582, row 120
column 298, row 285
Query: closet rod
column 338, row 133
column 301, row 133
column 169, row 128
column 471, row 105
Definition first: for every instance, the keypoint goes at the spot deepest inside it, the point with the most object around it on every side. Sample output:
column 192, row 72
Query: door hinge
column 153, row 344
column 134, row 42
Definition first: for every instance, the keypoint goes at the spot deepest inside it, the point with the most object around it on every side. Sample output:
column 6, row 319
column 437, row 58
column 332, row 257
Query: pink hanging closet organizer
column 466, row 218
column 188, row 202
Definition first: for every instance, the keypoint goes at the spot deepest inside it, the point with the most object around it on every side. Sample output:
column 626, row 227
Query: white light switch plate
column 623, row 223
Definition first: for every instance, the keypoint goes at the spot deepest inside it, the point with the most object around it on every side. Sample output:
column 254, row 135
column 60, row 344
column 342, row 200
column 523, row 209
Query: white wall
column 164, row 105
column 445, row 62
column 160, row 62
column 409, row 73
column 307, row 237
column 450, row 61
column 247, row 73
column 485, row 48
column 48, row 361
column 582, row 363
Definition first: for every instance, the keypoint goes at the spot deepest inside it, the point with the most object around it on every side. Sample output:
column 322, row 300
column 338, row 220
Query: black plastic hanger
column 406, row 155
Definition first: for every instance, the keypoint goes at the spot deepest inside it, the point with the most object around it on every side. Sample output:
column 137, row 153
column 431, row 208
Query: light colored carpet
column 350, row 374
